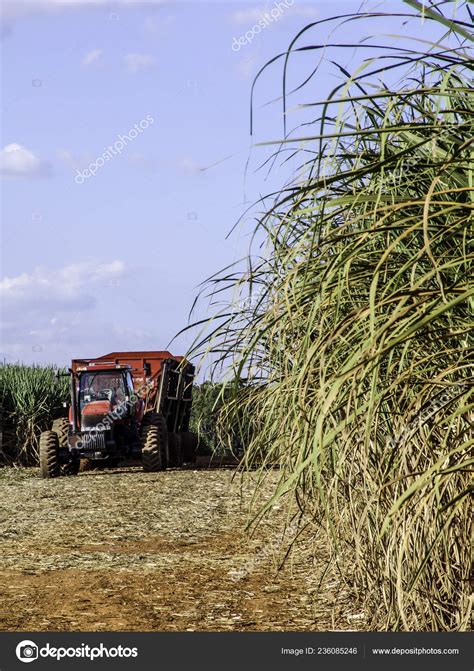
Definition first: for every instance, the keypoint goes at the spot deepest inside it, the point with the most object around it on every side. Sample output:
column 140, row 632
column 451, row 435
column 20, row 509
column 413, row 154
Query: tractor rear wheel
column 190, row 443
column 154, row 442
column 49, row 454
column 175, row 449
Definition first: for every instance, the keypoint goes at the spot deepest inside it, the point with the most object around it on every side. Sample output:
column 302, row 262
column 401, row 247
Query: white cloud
column 189, row 165
column 137, row 62
column 51, row 315
column 74, row 161
column 130, row 333
column 254, row 14
column 249, row 15
column 13, row 9
column 18, row 161
column 64, row 289
column 92, row 57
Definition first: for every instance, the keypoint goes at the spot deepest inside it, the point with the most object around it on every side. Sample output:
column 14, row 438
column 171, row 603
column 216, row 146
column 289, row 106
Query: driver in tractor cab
column 117, row 396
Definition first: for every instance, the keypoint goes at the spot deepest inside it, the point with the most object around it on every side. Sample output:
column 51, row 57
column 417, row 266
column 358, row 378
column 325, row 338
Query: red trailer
column 124, row 404
column 163, row 381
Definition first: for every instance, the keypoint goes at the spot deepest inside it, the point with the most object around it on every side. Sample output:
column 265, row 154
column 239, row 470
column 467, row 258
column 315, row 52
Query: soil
column 124, row 550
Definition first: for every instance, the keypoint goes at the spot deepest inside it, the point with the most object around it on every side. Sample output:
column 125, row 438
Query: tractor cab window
column 129, row 383
column 102, row 386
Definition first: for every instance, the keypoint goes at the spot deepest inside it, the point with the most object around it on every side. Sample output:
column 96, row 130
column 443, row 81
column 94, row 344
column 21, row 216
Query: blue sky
column 114, row 262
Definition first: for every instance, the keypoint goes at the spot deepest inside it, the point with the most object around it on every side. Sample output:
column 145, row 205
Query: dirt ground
column 123, row 550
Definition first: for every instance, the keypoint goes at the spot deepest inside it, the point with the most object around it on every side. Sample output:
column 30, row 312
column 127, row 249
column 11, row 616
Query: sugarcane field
column 236, row 371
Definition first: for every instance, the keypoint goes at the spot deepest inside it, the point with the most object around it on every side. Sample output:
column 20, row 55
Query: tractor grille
column 93, row 441
column 90, row 420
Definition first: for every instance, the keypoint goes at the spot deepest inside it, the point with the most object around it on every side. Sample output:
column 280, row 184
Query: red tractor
column 123, row 405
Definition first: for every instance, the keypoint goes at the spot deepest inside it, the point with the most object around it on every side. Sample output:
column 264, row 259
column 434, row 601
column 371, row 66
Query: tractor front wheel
column 49, row 454
column 61, row 427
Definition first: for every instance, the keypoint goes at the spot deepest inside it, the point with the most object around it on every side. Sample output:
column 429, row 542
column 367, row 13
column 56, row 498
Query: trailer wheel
column 175, row 449
column 61, row 427
column 49, row 454
column 190, row 443
column 154, row 441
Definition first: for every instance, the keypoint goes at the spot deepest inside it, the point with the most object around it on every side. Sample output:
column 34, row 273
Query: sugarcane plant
column 31, row 397
column 351, row 357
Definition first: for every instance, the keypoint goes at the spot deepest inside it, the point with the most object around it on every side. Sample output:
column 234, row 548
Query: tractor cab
column 112, row 386
column 102, row 390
